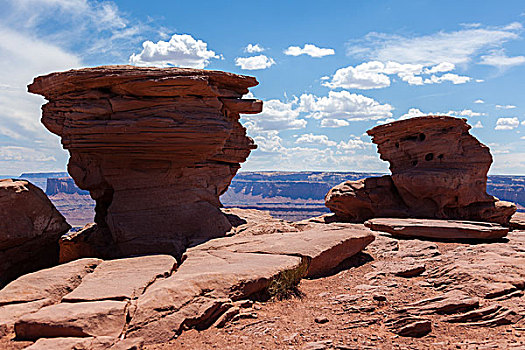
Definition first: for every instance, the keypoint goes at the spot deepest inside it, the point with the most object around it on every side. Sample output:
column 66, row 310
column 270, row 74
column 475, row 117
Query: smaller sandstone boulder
column 439, row 229
column 29, row 229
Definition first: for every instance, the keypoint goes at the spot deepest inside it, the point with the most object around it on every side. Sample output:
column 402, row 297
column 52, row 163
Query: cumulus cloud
column 453, row 78
column 375, row 75
column 413, row 113
column 479, row 101
column 343, row 105
column 277, row 115
column 333, row 123
column 182, row 50
column 253, row 48
column 478, row 125
column 457, row 47
column 440, row 68
column 310, row 50
column 507, row 123
column 365, row 76
column 465, row 113
column 505, row 106
column 254, row 62
column 315, row 139
column 353, row 144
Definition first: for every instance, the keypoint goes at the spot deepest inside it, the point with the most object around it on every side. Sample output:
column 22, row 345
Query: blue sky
column 328, row 71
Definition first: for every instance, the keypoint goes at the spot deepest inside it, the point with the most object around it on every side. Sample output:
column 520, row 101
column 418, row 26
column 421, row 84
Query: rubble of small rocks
column 155, row 147
column 29, row 229
column 439, row 170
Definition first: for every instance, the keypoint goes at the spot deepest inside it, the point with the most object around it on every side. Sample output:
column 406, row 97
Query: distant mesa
column 154, row 147
column 439, row 170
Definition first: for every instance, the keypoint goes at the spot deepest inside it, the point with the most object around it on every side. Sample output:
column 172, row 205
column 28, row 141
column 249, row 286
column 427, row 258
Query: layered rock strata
column 439, row 170
column 29, row 229
column 154, row 147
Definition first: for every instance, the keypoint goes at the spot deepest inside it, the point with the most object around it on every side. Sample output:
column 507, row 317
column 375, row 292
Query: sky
column 327, row 70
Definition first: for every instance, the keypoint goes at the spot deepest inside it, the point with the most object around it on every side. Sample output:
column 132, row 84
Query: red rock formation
column 155, row 148
column 438, row 170
column 29, row 229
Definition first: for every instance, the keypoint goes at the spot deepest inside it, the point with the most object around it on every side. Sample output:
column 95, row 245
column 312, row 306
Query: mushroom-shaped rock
column 30, row 227
column 155, row 147
column 439, row 170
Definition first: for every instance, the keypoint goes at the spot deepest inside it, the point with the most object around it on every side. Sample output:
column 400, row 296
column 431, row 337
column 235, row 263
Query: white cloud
column 253, row 48
column 182, row 50
column 478, row 125
column 375, row 75
column 466, row 113
column 353, row 144
column 20, row 126
column 276, row 115
column 458, row 47
column 440, row 68
column 479, row 101
column 333, row 123
column 413, row 113
column 453, row 78
column 505, row 106
column 343, row 105
column 365, row 76
column 500, row 60
column 92, row 28
column 507, row 123
column 254, row 62
column 310, row 50
column 315, row 139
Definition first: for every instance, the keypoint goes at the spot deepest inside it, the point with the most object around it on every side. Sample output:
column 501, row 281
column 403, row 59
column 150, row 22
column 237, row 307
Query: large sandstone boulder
column 29, row 229
column 439, row 170
column 154, row 147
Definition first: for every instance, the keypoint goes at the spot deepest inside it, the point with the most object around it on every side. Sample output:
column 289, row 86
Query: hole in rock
column 440, row 156
column 422, row 137
column 397, row 144
column 414, row 162
column 429, row 156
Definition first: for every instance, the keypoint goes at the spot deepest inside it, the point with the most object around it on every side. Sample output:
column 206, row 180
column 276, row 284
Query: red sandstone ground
column 291, row 324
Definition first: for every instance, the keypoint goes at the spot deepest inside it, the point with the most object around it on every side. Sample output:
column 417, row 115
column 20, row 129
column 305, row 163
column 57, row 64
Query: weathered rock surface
column 154, row 147
column 518, row 221
column 439, row 229
column 29, row 229
column 148, row 298
column 122, row 279
column 87, row 343
column 438, row 171
column 101, row 318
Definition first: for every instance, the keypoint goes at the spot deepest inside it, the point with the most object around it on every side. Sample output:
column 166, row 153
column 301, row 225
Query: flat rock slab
column 100, row 318
column 52, row 283
column 324, row 248
column 122, row 279
column 439, row 229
